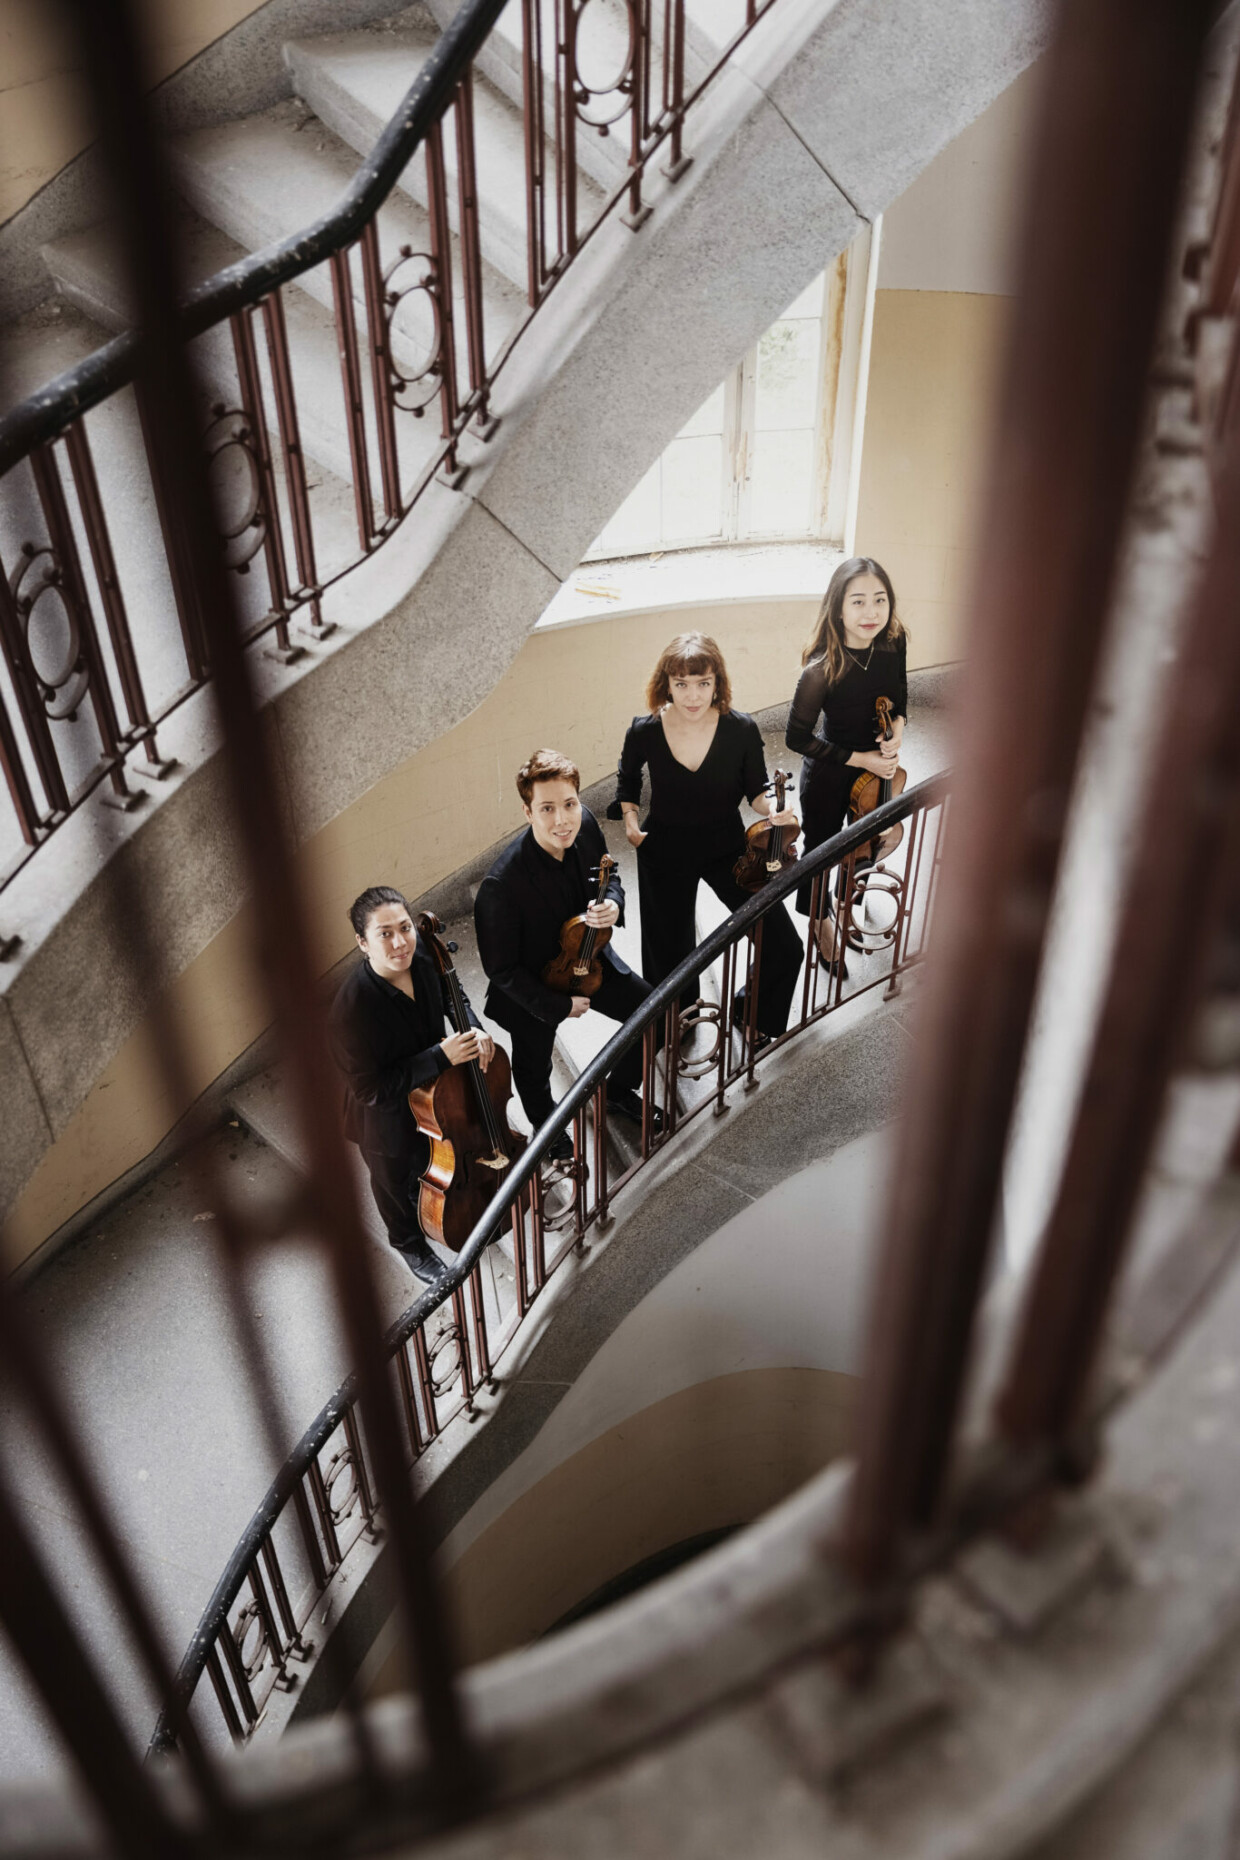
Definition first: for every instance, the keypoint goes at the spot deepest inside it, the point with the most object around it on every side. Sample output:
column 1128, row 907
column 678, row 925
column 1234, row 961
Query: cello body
column 460, row 1180
column 464, row 1116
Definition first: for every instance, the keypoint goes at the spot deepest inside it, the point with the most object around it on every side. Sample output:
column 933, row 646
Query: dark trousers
column 620, row 994
column 825, row 788
column 668, row 874
column 394, row 1182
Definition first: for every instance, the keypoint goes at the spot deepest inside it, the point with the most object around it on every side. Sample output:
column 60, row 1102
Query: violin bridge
column 581, row 968
column 497, row 1160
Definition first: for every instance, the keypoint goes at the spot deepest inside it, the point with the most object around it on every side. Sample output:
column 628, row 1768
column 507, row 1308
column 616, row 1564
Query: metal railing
column 1110, row 162
column 447, row 1347
column 416, row 331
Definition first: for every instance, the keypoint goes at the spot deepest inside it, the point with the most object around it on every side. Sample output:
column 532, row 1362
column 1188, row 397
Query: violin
column 769, row 850
column 578, row 968
column 870, row 791
column 465, row 1116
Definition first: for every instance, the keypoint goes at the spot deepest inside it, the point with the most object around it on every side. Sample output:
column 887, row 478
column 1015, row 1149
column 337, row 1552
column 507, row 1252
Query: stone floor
column 137, row 1314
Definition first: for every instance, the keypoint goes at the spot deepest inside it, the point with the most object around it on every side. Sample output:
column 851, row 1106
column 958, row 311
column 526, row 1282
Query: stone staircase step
column 86, row 269
column 37, row 347
column 355, row 81
column 603, row 158
column 603, row 53
column 265, row 177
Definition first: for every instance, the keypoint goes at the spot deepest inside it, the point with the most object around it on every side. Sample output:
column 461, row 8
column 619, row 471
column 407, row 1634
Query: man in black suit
column 390, row 1033
column 539, row 881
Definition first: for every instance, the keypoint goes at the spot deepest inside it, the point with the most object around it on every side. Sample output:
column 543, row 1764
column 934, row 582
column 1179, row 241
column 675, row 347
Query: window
column 755, row 462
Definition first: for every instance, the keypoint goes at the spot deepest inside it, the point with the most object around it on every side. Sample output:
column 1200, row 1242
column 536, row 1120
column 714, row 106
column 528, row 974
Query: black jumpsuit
column 694, row 832
column 848, row 724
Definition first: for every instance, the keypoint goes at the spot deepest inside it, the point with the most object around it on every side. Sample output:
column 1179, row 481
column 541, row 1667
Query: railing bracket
column 634, row 221
column 675, row 169
column 284, row 655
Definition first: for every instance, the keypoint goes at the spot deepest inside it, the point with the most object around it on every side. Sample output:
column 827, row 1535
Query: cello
column 768, row 850
column 871, row 791
column 464, row 1114
column 578, row 967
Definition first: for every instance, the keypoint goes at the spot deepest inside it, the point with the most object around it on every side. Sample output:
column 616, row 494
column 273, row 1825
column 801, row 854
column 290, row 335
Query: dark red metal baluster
column 484, row 422
column 268, row 513
column 64, row 544
column 441, row 260
column 34, row 718
column 677, row 160
column 94, row 522
column 533, row 115
column 379, row 345
column 294, row 460
column 177, row 553
column 354, row 409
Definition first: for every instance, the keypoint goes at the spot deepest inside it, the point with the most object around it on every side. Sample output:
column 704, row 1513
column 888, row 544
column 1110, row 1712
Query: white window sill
column 693, row 578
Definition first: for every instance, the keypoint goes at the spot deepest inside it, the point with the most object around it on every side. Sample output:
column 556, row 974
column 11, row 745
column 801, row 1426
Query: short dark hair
column 690, row 655
column 364, row 907
column 546, row 765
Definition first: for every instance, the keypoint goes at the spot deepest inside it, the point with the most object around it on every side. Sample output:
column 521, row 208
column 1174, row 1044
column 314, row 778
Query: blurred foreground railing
column 447, row 1346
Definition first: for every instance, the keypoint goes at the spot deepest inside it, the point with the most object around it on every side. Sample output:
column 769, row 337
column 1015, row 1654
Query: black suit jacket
column 518, row 921
column 385, row 1045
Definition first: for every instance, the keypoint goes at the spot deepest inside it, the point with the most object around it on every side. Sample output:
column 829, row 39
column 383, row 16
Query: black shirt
column 522, row 905
column 702, row 801
column 847, row 709
column 385, row 1046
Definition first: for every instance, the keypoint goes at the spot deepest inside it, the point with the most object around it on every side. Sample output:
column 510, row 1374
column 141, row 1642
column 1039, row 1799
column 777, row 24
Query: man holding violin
column 540, row 881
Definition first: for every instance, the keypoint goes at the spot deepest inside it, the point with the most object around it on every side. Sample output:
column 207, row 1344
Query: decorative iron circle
column 405, row 387
column 37, row 575
column 250, row 1618
column 448, row 1338
column 229, row 433
column 340, row 1464
column 701, row 1014
column 587, row 93
column 871, row 884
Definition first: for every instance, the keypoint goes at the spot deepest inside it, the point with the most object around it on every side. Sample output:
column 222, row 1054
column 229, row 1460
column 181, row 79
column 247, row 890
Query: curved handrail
column 830, row 853
column 73, row 392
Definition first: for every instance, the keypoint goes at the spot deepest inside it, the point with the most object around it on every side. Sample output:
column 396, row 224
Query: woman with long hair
column 702, row 759
column 855, row 655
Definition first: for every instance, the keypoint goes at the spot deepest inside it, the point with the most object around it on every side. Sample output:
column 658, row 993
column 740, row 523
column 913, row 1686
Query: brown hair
column 545, row 765
column 826, row 642
column 689, row 655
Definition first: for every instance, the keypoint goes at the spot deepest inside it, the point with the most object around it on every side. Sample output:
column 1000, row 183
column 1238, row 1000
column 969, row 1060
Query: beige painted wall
column 574, row 688
column 44, row 121
column 932, row 374
column 706, row 1457
column 946, row 273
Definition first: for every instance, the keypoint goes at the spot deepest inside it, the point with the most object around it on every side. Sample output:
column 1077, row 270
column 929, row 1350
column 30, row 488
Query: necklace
column 856, row 661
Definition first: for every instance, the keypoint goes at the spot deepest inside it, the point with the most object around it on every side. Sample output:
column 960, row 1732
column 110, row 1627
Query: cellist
column 389, row 1033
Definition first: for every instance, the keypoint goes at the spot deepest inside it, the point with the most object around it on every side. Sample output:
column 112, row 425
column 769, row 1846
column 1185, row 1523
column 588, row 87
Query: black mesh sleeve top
column 847, row 709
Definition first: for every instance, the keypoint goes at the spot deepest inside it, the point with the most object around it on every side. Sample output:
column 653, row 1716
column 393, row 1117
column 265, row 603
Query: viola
column 464, row 1114
column 578, row 968
column 870, row 791
column 768, row 850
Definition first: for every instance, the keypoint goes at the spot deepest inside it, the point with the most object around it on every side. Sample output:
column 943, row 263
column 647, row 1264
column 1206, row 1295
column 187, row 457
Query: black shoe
column 739, row 1007
column 629, row 1104
column 422, row 1263
column 560, row 1149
